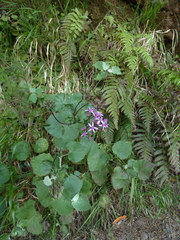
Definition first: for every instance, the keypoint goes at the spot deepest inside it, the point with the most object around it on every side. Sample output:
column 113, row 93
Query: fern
column 135, row 49
column 125, row 41
column 126, row 107
column 162, row 172
column 167, row 153
column 132, row 63
column 144, row 56
column 67, row 50
column 173, row 141
column 174, row 156
column 117, row 98
column 125, row 130
column 143, row 144
column 73, row 24
column 111, row 96
column 167, row 78
column 108, row 136
column 146, row 113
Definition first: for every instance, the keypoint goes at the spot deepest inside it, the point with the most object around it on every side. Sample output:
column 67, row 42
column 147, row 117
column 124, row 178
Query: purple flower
column 103, row 124
column 97, row 121
column 84, row 134
column 83, row 129
column 92, row 127
column 98, row 115
column 91, row 111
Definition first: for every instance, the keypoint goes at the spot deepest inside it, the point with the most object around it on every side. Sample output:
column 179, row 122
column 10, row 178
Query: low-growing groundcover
column 89, row 126
column 80, row 176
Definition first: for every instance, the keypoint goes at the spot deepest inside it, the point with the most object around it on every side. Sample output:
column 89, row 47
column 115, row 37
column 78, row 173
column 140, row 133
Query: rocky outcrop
column 168, row 20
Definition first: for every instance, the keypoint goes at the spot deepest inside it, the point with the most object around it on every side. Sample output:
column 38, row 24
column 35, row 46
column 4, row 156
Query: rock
column 144, row 236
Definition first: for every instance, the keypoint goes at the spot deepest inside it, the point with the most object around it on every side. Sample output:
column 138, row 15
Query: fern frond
column 174, row 148
column 111, row 96
column 125, row 41
column 172, row 143
column 146, row 114
column 126, row 107
column 143, row 144
column 174, row 156
column 66, row 51
column 132, row 63
column 167, row 77
column 162, row 171
column 144, row 56
column 73, row 24
column 125, row 130
column 117, row 98
column 108, row 136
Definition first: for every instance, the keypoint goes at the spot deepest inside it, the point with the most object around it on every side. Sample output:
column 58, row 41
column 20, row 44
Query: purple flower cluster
column 97, row 122
column 95, row 101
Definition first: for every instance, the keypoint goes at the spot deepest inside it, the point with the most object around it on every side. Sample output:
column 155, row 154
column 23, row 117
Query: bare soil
column 142, row 228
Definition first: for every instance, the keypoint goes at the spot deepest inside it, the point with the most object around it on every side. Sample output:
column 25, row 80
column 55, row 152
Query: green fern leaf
column 111, row 96
column 73, row 24
column 174, row 156
column 126, row 41
column 126, row 107
column 108, row 136
column 146, row 113
column 132, row 63
column 144, row 56
column 162, row 171
column 125, row 130
column 143, row 144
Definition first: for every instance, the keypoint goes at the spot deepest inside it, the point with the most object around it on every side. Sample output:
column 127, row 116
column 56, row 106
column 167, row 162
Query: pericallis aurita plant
column 97, row 123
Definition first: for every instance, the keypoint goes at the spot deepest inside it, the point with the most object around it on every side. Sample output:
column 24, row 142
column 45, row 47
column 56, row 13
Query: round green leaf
column 30, row 218
column 101, row 76
column 115, row 70
column 104, row 201
column 21, row 150
column 41, row 145
column 33, row 97
column 97, row 159
column 47, row 181
column 42, row 164
column 142, row 168
column 62, row 206
column 4, row 173
column 70, row 132
column 122, row 149
column 77, row 151
column 119, row 178
column 99, row 176
column 59, row 143
column 86, row 188
column 54, row 127
column 43, row 194
column 81, row 202
column 72, row 185
column 99, row 65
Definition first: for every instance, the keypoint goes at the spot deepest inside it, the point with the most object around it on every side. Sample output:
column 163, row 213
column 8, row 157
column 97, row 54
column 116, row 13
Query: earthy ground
column 142, row 228
column 147, row 229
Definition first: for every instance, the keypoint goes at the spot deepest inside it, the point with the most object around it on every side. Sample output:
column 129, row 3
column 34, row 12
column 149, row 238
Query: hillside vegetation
column 90, row 109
